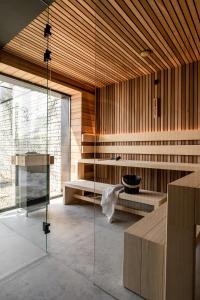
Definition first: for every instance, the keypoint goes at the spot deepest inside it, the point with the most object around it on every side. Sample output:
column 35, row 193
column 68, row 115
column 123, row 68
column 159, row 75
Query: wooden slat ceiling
column 38, row 80
column 99, row 42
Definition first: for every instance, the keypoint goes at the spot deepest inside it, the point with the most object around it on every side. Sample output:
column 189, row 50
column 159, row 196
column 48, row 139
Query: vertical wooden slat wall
column 129, row 107
column 76, row 128
column 82, row 121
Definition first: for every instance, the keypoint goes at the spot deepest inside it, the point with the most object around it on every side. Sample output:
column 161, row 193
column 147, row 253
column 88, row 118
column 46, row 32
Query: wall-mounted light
column 156, row 108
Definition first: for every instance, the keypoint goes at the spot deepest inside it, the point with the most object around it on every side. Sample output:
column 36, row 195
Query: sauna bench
column 142, row 164
column 144, row 255
column 74, row 190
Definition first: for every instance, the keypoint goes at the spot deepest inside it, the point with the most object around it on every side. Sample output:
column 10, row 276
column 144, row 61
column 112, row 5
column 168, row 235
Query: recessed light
column 146, row 53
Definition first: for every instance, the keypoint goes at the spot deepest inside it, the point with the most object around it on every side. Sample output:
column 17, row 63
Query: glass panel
column 111, row 117
column 24, row 173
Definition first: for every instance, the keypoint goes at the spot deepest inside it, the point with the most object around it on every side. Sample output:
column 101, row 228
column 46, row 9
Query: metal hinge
column 46, row 227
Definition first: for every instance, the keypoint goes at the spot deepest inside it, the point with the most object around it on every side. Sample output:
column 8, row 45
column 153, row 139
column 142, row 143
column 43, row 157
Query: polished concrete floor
column 84, row 260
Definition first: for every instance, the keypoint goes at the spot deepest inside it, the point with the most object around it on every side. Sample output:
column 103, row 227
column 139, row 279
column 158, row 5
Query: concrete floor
column 68, row 272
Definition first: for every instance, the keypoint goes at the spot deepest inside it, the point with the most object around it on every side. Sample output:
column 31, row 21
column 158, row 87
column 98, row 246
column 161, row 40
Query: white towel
column 109, row 200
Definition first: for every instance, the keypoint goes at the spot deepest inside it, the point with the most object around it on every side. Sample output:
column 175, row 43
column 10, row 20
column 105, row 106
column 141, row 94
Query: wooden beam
column 184, row 135
column 148, row 149
column 143, row 164
column 28, row 66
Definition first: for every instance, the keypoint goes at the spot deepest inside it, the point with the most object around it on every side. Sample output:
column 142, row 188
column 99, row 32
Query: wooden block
column 153, row 262
column 134, row 249
column 68, row 195
column 80, row 171
column 181, row 235
column 32, row 160
column 132, row 262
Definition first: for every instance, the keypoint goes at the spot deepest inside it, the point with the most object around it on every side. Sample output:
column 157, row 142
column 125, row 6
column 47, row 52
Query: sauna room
column 100, row 150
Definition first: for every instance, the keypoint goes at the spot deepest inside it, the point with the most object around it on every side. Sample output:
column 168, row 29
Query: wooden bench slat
column 183, row 135
column 147, row 149
column 143, row 164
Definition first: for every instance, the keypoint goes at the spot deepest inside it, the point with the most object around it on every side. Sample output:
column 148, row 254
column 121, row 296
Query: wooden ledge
column 143, row 164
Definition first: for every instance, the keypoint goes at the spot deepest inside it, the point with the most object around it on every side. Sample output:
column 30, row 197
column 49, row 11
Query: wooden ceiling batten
column 22, row 75
column 98, row 43
column 171, row 29
column 19, row 63
column 142, row 20
column 117, row 34
column 179, row 26
column 102, row 41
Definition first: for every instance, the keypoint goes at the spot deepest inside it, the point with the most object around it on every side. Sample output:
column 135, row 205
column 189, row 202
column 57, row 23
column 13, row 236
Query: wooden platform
column 75, row 190
column 142, row 164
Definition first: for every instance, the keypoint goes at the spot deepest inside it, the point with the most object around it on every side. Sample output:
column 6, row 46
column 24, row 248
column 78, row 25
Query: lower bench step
column 139, row 204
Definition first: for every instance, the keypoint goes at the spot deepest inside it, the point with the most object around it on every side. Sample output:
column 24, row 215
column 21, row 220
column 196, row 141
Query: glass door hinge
column 46, row 227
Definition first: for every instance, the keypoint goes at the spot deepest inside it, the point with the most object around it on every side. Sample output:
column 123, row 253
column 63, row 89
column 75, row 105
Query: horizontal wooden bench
column 144, row 255
column 137, row 164
column 76, row 190
column 183, row 135
column 172, row 143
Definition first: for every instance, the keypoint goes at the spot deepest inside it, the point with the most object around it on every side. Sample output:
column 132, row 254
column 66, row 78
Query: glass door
column 113, row 116
column 24, row 174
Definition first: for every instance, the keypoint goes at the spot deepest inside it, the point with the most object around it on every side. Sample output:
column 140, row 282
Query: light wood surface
column 142, row 164
column 186, row 150
column 183, row 201
column 76, row 129
column 185, row 135
column 32, row 160
column 84, row 31
column 144, row 197
column 89, row 186
column 118, row 207
column 144, row 255
column 82, row 121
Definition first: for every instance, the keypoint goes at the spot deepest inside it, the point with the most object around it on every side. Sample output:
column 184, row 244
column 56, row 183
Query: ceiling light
column 146, row 53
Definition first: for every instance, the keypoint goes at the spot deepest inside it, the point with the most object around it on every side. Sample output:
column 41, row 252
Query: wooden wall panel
column 82, row 121
column 88, row 113
column 128, row 107
column 76, row 128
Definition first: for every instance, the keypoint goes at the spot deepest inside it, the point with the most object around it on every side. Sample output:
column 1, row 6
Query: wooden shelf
column 145, row 197
column 143, row 164
column 182, row 135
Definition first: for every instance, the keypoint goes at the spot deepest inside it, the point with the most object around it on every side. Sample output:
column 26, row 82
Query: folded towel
column 109, row 200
